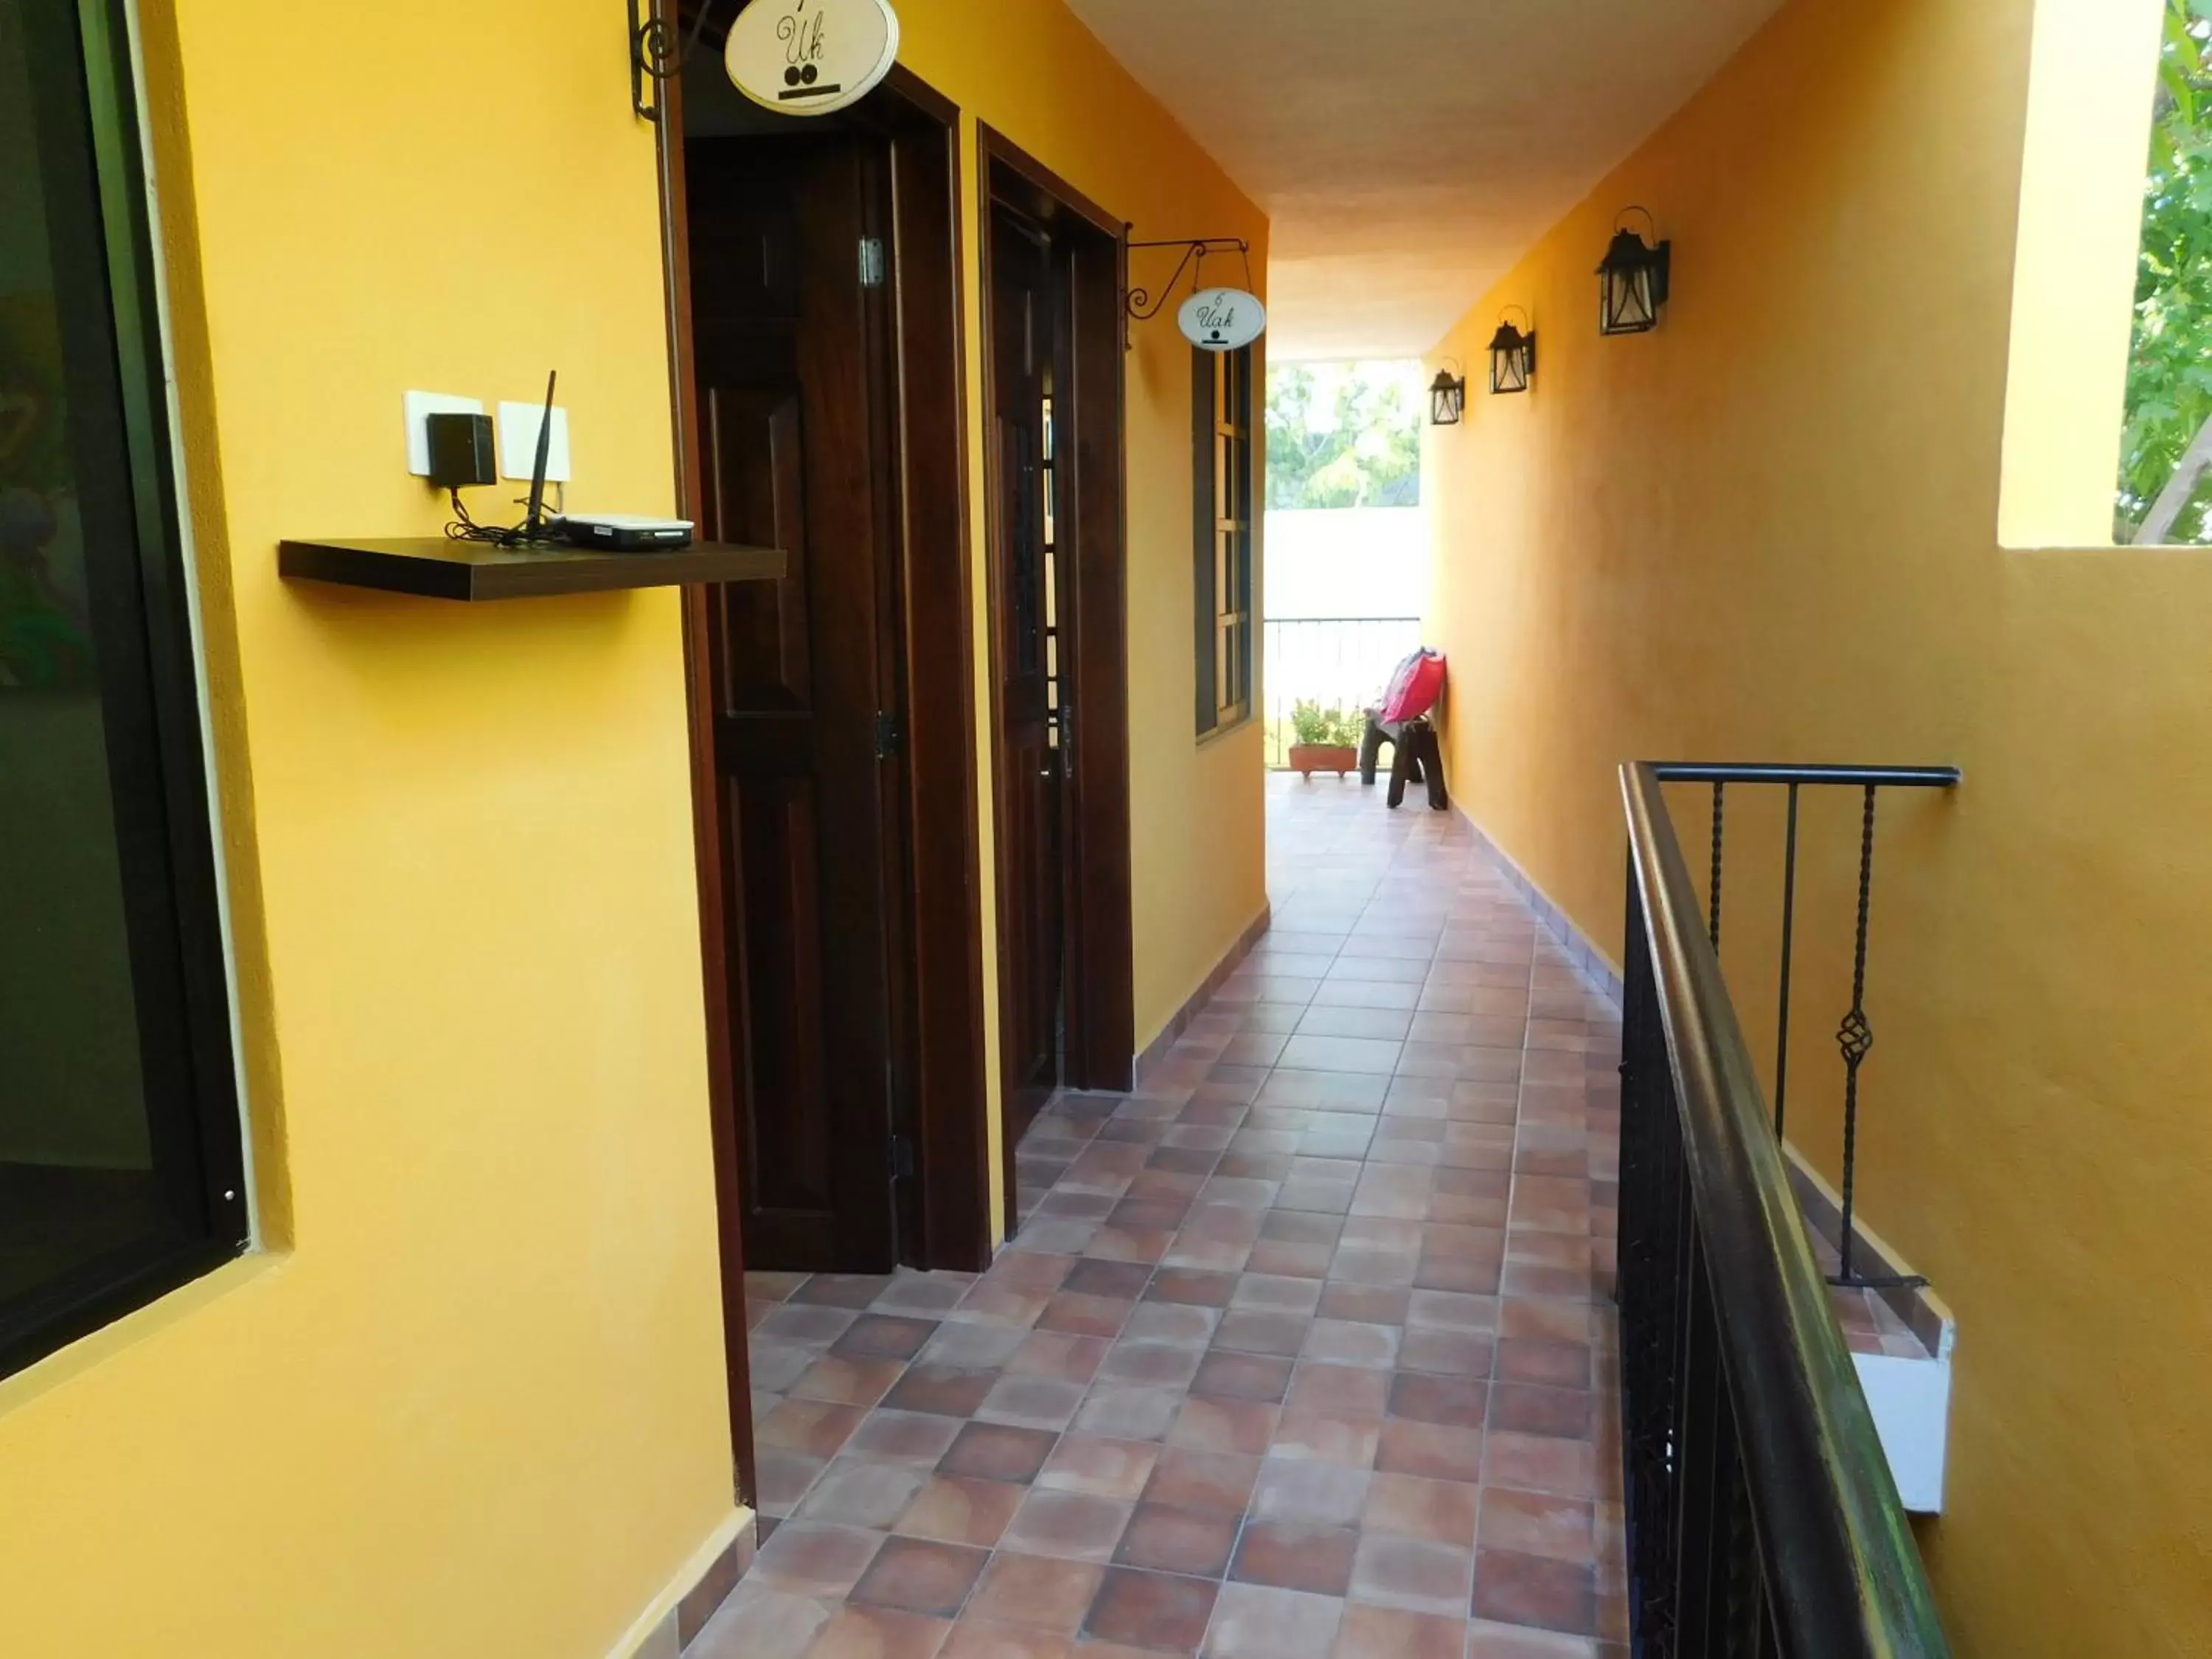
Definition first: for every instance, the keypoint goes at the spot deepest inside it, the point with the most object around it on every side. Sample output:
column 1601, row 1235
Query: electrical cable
column 465, row 528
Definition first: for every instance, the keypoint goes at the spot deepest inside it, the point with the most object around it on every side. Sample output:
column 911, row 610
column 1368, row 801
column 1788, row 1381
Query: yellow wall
column 474, row 1404
column 1197, row 813
column 1769, row 531
column 472, row 1399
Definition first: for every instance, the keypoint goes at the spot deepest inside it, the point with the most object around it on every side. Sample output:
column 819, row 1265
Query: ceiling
column 1409, row 154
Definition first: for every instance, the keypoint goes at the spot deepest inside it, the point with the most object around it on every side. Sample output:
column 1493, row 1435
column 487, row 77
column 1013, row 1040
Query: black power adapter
column 461, row 451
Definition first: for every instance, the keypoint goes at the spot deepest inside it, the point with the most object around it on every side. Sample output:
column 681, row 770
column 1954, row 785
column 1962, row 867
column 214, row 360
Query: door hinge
column 902, row 1163
column 873, row 265
column 890, row 736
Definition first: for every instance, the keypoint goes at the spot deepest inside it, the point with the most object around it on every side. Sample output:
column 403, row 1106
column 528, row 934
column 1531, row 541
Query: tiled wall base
column 704, row 1599
column 1154, row 1055
column 1596, row 967
column 682, row 1608
column 1901, row 1341
column 1922, row 1311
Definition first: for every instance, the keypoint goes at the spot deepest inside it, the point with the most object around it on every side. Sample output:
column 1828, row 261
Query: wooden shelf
column 437, row 567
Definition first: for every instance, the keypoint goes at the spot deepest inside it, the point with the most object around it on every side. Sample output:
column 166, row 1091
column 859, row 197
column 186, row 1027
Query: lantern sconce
column 1512, row 355
column 1633, row 282
column 1447, row 396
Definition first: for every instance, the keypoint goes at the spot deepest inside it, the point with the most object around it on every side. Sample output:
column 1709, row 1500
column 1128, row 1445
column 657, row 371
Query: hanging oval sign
column 1222, row 319
column 810, row 57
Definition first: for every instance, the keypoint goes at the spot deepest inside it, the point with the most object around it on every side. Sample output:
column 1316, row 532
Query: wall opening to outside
column 1348, row 544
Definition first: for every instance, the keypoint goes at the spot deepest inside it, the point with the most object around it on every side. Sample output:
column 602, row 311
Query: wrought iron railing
column 1338, row 662
column 1761, row 1513
column 1855, row 1035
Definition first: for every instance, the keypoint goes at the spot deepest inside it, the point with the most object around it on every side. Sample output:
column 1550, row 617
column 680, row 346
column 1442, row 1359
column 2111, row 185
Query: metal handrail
column 1847, row 1581
column 1881, row 777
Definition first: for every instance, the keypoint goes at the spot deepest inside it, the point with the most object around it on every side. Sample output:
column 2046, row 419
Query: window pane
column 76, row 1165
column 1051, row 495
column 104, row 1176
column 1222, row 463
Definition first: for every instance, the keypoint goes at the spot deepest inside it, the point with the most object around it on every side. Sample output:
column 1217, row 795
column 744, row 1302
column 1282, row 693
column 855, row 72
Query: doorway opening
column 1053, row 267
column 1348, row 547
column 814, row 306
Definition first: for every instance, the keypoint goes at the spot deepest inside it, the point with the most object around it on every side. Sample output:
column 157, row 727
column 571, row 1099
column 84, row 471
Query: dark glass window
column 120, row 1161
column 1221, row 465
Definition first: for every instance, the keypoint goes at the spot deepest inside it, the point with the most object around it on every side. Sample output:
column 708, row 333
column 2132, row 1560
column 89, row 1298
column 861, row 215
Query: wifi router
column 623, row 533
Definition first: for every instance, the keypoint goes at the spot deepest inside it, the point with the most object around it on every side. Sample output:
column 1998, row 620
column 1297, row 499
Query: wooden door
column 788, row 337
column 1028, row 324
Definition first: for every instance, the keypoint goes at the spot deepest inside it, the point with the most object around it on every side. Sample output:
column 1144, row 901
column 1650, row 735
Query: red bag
column 1415, row 687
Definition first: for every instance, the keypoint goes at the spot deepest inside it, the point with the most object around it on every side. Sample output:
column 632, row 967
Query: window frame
column 1224, row 415
column 93, row 176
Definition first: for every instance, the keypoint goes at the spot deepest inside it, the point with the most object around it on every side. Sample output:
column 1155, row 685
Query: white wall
column 1347, row 562
column 1338, row 562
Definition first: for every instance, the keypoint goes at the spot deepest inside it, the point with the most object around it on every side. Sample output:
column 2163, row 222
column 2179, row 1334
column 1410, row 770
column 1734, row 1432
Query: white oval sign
column 1222, row 319
column 810, row 57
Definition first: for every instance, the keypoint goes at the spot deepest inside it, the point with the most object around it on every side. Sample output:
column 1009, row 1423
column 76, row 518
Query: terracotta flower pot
column 1307, row 758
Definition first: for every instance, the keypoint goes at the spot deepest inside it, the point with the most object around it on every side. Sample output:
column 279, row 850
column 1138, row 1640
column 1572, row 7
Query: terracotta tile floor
column 1302, row 1353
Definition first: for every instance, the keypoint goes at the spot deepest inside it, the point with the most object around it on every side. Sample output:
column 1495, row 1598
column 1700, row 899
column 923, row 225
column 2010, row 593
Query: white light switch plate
column 419, row 406
column 517, row 442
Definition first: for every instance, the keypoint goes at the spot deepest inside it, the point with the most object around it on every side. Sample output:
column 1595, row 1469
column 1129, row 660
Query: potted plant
column 1323, row 740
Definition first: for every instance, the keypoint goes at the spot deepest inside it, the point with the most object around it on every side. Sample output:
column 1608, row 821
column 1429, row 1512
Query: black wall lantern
column 1512, row 356
column 1447, row 397
column 1632, row 282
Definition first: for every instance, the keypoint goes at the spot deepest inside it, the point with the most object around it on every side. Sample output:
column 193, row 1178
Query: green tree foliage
column 1346, row 435
column 2170, row 365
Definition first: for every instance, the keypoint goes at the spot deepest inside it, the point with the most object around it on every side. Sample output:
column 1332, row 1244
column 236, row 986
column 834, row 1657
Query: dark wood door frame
column 938, row 1011
column 947, row 1058
column 1100, row 950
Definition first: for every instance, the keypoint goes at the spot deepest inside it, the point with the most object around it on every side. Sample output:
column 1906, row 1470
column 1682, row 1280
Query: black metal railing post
column 1720, row 808
column 1789, row 935
column 1855, row 1036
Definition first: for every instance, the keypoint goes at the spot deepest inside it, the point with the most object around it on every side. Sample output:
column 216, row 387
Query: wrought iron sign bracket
column 1144, row 305
column 658, row 48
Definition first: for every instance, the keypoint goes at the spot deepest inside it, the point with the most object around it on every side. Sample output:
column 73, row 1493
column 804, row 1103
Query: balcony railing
column 1762, row 1516
column 1338, row 662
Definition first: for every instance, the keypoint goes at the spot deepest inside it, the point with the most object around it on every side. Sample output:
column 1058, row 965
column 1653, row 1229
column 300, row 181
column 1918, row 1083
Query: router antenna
column 536, row 517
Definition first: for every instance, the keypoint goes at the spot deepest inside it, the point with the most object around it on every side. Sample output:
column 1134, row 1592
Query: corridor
column 1302, row 1352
